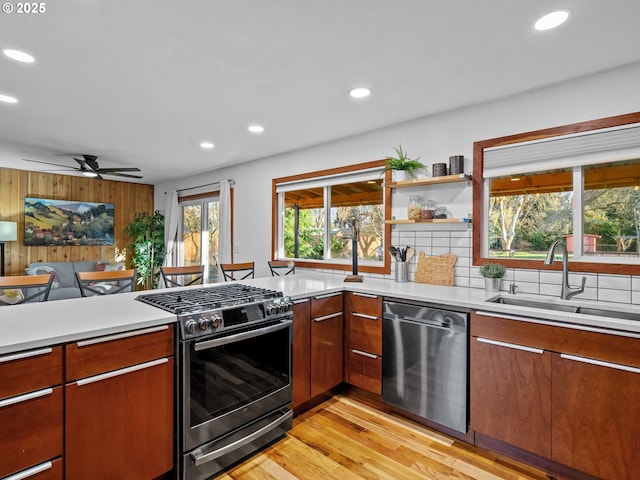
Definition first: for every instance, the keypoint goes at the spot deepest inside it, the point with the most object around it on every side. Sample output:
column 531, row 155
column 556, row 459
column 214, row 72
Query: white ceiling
column 142, row 83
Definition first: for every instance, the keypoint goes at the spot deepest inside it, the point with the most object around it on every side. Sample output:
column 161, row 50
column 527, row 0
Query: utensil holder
column 456, row 164
column 402, row 272
column 439, row 169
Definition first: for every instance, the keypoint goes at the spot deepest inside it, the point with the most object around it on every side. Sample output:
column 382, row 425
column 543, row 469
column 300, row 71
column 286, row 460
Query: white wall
column 432, row 138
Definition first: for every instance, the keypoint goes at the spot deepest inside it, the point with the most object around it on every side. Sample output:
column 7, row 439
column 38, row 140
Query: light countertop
column 50, row 323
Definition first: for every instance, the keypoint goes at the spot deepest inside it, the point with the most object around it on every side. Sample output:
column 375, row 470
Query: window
column 579, row 182
column 314, row 215
column 199, row 230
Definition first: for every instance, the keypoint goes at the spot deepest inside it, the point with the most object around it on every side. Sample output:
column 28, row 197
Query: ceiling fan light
column 90, row 174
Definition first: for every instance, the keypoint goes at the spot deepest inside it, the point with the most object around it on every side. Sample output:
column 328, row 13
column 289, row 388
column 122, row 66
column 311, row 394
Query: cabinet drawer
column 326, row 304
column 363, row 303
column 30, row 370
column 49, row 470
column 365, row 371
column 112, row 352
column 601, row 346
column 30, row 429
column 365, row 332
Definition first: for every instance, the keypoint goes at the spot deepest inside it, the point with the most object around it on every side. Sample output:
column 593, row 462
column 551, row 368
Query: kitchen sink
column 565, row 307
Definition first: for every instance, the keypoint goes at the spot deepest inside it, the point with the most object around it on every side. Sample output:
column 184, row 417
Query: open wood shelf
column 462, row 177
column 433, row 220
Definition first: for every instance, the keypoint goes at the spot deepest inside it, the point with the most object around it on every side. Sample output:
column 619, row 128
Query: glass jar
column 441, row 212
column 427, row 209
column 414, row 210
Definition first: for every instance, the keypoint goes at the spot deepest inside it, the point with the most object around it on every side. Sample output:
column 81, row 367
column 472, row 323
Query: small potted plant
column 402, row 163
column 492, row 273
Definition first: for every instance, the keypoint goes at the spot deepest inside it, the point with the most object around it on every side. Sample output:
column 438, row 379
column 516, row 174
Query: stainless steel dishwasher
column 425, row 362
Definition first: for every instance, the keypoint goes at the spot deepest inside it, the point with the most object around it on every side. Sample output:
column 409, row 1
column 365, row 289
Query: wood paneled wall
column 15, row 185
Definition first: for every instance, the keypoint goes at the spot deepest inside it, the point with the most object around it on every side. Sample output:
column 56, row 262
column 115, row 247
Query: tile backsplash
column 457, row 240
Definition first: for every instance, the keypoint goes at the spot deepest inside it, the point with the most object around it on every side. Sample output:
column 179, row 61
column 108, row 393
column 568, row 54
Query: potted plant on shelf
column 147, row 246
column 492, row 273
column 403, row 167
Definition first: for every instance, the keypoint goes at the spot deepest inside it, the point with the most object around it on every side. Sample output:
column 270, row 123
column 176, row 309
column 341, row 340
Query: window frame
column 480, row 203
column 385, row 268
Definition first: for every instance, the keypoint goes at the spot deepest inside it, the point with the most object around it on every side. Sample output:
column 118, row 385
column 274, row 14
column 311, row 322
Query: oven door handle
column 217, row 342
column 200, row 459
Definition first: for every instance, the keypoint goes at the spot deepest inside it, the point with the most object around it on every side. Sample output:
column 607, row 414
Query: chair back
column 17, row 289
column 106, row 283
column 182, row 276
column 282, row 267
column 237, row 271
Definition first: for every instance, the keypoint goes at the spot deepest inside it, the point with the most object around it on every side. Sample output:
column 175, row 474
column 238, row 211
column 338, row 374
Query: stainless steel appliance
column 233, row 374
column 425, row 362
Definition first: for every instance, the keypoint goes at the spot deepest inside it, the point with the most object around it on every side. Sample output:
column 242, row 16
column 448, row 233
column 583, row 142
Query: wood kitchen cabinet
column 31, row 413
column 326, row 342
column 120, row 405
column 580, row 387
column 301, row 356
column 363, row 341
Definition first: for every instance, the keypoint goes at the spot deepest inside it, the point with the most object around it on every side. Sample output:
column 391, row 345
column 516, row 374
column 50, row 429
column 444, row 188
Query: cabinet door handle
column 27, row 396
column 32, row 353
column 30, row 472
column 510, row 345
column 366, row 295
column 600, row 363
column 122, row 371
column 327, row 295
column 364, row 354
column 362, row 315
column 327, row 317
column 93, row 341
column 302, row 300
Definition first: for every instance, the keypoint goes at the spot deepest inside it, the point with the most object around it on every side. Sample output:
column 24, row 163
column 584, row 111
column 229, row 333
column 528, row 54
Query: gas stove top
column 209, row 310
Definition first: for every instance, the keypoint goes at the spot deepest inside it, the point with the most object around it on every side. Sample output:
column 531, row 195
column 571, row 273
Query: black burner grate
column 209, row 298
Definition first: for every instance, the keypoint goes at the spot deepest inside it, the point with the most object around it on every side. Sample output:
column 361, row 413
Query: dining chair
column 17, row 289
column 282, row 267
column 230, row 270
column 182, row 276
column 106, row 283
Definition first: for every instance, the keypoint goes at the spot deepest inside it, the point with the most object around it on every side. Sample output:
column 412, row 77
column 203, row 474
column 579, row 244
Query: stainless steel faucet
column 567, row 291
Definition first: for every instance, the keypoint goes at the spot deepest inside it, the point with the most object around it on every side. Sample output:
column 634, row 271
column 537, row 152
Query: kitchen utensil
column 394, row 252
column 409, row 253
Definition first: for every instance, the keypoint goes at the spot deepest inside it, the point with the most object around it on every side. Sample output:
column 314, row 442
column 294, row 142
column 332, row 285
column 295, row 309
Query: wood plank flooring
column 343, row 439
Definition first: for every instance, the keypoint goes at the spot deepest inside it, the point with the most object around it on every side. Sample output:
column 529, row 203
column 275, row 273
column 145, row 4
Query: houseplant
column 147, row 246
column 402, row 163
column 492, row 273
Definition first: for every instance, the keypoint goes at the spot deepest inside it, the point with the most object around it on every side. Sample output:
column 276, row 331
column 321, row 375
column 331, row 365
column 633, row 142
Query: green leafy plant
column 402, row 162
column 147, row 246
column 492, row 270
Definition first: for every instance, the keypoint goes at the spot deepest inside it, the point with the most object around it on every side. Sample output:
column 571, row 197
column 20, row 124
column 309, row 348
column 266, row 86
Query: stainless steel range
column 234, row 373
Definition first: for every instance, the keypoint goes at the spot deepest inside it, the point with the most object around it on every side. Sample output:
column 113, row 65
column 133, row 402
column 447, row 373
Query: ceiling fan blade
column 128, row 169
column 121, row 174
column 49, row 163
column 82, row 163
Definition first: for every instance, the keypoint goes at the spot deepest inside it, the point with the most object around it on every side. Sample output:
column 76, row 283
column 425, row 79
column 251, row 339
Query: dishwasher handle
column 424, row 321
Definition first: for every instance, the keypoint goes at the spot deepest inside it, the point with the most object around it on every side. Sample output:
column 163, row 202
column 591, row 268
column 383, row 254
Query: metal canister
column 439, row 169
column 456, row 164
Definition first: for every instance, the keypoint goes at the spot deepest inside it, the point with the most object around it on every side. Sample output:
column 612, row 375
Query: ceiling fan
column 88, row 166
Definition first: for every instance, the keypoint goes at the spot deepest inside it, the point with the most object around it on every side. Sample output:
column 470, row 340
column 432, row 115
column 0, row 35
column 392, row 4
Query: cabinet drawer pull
column 30, row 472
column 327, row 295
column 32, row 353
column 301, row 300
column 511, row 345
column 327, row 317
column 366, row 295
column 600, row 363
column 93, row 341
column 364, row 354
column 362, row 315
column 122, row 371
column 27, row 396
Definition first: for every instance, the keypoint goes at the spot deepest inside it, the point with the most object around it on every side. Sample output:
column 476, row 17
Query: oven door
column 232, row 380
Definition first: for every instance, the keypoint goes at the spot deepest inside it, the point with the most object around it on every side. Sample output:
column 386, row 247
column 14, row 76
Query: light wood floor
column 344, row 439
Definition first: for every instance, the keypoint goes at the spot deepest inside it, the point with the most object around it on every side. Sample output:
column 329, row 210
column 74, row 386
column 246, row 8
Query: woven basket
column 438, row 270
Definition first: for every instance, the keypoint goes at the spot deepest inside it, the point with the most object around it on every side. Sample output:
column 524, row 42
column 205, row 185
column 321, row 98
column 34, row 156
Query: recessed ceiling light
column 8, row 99
column 360, row 92
column 207, row 145
column 256, row 128
column 18, row 56
column 552, row 20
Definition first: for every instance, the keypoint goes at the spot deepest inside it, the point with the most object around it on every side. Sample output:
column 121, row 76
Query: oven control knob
column 191, row 326
column 216, row 321
column 204, row 323
column 271, row 309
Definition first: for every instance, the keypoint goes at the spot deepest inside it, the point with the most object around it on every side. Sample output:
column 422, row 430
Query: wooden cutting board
column 436, row 270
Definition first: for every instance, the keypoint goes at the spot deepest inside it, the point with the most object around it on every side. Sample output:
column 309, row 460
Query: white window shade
column 338, row 179
column 587, row 148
